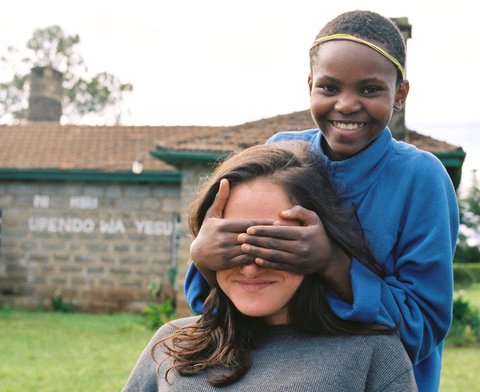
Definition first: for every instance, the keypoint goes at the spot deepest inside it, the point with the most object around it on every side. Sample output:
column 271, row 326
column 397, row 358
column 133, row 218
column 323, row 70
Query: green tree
column 102, row 94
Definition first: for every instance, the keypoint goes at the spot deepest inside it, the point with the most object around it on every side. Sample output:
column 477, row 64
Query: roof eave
column 172, row 176
column 181, row 156
column 453, row 158
column 453, row 162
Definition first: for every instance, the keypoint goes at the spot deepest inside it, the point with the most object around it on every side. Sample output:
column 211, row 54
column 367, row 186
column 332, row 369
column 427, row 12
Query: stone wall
column 98, row 245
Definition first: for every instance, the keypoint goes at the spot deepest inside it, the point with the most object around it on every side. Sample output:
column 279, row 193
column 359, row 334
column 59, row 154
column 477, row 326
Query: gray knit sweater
column 289, row 361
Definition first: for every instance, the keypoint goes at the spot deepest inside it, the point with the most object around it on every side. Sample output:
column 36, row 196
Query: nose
column 250, row 270
column 347, row 103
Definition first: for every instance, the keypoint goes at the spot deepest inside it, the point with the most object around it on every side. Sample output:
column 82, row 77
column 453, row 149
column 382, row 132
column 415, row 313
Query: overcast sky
column 218, row 62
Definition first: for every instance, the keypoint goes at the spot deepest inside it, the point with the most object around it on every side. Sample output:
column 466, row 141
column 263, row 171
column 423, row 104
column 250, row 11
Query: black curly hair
column 369, row 26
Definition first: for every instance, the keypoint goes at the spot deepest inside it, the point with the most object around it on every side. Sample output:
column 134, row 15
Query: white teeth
column 348, row 126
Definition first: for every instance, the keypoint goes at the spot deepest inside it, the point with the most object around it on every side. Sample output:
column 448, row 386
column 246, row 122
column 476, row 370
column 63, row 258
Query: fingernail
column 245, row 247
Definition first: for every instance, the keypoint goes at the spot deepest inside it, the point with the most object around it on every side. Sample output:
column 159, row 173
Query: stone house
column 97, row 213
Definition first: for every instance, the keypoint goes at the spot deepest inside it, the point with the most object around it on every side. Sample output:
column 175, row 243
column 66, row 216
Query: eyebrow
column 331, row 79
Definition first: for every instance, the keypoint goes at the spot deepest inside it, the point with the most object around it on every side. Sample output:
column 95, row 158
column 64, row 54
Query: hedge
column 466, row 274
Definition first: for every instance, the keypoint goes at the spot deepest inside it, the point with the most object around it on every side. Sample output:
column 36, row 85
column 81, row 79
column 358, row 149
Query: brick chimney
column 397, row 122
column 45, row 100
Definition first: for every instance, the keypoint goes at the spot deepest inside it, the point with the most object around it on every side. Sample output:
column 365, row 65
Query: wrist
column 337, row 275
column 209, row 275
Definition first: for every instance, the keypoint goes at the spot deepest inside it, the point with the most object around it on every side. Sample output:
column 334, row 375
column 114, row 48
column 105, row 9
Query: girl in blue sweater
column 403, row 197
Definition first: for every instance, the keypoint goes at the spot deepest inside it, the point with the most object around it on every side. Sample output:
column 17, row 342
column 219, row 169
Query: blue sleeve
column 196, row 289
column 308, row 135
column 418, row 289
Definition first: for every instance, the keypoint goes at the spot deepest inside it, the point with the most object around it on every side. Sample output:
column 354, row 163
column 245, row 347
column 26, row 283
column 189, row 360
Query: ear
column 310, row 83
column 401, row 95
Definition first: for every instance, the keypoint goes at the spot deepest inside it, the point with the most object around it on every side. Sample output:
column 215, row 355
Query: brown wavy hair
column 223, row 337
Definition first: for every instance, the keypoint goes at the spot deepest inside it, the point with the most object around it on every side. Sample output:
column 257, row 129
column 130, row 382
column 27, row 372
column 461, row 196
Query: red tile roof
column 108, row 148
column 112, row 148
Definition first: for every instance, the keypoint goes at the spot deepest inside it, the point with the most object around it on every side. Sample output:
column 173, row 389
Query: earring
column 396, row 108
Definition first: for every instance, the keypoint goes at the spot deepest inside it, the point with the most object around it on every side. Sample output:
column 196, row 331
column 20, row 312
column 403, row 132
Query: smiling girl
column 403, row 197
column 267, row 329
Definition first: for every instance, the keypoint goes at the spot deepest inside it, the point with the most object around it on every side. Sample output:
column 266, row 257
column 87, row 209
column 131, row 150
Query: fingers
column 283, row 260
column 296, row 220
column 281, row 241
column 304, row 216
column 218, row 205
column 275, row 265
column 241, row 225
column 271, row 233
column 238, row 261
column 272, row 255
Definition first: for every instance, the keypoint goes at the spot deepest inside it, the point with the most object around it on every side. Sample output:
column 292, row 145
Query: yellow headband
column 361, row 41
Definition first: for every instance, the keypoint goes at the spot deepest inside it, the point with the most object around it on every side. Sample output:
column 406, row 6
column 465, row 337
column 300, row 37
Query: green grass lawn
column 46, row 351
column 58, row 352
column 461, row 369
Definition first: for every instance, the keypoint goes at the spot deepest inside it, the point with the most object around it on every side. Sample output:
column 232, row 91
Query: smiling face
column 255, row 291
column 353, row 90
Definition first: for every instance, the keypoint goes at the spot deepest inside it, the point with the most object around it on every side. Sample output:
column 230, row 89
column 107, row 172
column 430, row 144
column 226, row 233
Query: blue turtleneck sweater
column 408, row 210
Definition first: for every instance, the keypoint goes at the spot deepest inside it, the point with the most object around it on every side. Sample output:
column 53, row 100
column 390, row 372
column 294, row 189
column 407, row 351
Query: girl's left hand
column 300, row 244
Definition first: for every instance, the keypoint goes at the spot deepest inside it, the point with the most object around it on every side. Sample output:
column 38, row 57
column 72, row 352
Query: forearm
column 337, row 276
column 422, row 308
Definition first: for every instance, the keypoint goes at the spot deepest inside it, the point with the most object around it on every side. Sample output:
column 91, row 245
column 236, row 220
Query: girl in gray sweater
column 261, row 329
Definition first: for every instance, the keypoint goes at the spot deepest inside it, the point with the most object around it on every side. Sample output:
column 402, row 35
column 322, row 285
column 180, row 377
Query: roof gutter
column 181, row 156
column 453, row 162
column 451, row 158
column 173, row 176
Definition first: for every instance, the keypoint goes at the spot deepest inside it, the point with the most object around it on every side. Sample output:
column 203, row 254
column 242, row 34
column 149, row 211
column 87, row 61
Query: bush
column 161, row 308
column 463, row 277
column 465, row 327
column 155, row 315
column 59, row 304
column 465, row 274
column 467, row 254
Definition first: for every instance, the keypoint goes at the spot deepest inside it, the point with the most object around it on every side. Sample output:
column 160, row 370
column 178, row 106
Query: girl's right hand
column 216, row 246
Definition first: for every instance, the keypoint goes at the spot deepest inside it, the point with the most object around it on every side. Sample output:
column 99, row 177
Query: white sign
column 75, row 202
column 61, row 225
column 154, row 227
column 41, row 201
column 83, row 202
column 112, row 226
column 103, row 226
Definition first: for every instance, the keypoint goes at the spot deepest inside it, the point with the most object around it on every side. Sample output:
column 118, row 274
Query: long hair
column 223, row 337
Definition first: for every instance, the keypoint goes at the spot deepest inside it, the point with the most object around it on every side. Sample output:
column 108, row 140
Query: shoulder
column 417, row 170
column 306, row 135
column 390, row 344
column 391, row 369
column 173, row 325
column 416, row 160
column 388, row 353
column 144, row 375
column 169, row 328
